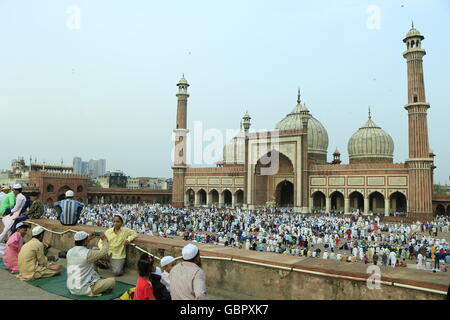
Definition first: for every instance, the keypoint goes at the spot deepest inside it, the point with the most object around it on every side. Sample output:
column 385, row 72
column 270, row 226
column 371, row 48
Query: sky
column 97, row 78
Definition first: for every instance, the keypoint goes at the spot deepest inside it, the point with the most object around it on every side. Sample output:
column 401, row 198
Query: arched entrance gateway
column 272, row 180
column 285, row 194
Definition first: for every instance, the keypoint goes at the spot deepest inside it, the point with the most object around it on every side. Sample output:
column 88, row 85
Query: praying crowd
column 352, row 239
column 349, row 239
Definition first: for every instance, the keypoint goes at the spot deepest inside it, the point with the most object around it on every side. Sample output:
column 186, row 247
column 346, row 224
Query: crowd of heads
column 317, row 236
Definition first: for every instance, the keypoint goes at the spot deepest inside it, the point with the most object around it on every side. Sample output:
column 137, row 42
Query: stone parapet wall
column 273, row 276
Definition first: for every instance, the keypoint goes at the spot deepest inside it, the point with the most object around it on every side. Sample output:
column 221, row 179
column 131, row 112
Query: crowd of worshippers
column 349, row 239
column 182, row 281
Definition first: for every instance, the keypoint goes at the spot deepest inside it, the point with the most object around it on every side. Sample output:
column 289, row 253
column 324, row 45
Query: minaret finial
column 370, row 114
column 298, row 96
column 412, row 24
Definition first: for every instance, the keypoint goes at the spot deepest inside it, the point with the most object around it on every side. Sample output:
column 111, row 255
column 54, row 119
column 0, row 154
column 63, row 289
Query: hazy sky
column 105, row 87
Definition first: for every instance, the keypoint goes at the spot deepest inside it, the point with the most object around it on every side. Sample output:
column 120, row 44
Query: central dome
column 317, row 134
column 370, row 144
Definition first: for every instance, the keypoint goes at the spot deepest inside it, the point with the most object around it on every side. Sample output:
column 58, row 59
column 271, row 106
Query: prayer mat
column 57, row 285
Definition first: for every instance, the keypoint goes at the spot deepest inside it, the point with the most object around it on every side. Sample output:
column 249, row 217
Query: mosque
column 287, row 167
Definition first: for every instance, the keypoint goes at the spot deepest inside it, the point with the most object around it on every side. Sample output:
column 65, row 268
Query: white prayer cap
column 189, row 251
column 17, row 186
column 158, row 271
column 37, row 231
column 166, row 260
column 69, row 193
column 21, row 224
column 80, row 235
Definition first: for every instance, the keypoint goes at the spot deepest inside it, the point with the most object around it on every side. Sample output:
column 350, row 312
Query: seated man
column 81, row 277
column 11, row 215
column 13, row 246
column 69, row 210
column 35, row 210
column 32, row 261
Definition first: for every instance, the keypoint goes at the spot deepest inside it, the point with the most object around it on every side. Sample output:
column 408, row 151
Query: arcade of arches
column 374, row 203
column 213, row 197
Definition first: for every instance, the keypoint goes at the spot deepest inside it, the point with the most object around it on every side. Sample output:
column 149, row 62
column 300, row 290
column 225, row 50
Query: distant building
column 133, row 183
column 94, row 168
column 116, row 179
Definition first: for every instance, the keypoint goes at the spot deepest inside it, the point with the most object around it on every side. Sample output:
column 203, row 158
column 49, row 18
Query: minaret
column 419, row 162
column 246, row 125
column 304, row 178
column 179, row 163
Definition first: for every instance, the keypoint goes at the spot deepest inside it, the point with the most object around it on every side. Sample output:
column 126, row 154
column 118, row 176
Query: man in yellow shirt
column 118, row 237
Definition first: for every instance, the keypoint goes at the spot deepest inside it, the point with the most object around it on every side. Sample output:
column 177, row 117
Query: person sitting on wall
column 68, row 210
column 32, row 261
column 119, row 237
column 8, row 219
column 35, row 210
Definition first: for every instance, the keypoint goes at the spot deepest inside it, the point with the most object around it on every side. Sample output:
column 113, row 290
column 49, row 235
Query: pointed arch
column 227, row 197
column 376, row 202
column 201, row 194
column 318, row 201
column 337, row 201
column 356, row 201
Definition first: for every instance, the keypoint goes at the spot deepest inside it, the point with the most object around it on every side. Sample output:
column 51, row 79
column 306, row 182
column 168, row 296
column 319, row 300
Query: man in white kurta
column 393, row 258
column 81, row 277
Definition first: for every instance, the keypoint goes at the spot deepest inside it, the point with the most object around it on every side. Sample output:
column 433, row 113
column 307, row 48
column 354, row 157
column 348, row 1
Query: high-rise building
column 95, row 168
column 77, row 165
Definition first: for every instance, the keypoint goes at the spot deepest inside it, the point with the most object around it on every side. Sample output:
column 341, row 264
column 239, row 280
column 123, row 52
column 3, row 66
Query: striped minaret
column 419, row 162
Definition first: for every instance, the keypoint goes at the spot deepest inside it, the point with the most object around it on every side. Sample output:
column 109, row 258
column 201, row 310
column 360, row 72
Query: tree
column 94, row 184
column 440, row 189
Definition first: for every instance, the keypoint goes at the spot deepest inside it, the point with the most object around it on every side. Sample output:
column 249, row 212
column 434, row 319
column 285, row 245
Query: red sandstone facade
column 53, row 186
column 372, row 184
